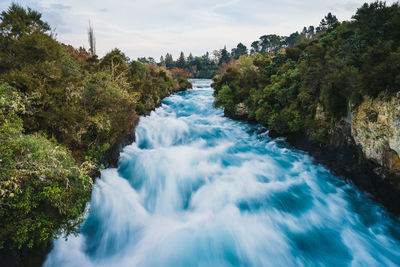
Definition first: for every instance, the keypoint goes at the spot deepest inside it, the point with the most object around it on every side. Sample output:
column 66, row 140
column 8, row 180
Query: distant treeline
column 61, row 109
column 207, row 66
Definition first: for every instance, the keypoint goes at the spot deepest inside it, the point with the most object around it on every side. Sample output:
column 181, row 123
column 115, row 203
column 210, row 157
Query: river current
column 199, row 189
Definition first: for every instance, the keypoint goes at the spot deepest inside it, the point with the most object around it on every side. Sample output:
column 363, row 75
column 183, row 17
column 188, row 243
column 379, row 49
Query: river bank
column 196, row 181
column 36, row 255
column 345, row 158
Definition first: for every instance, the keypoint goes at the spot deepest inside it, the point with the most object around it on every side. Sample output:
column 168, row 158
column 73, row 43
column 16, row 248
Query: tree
column 92, row 40
column 304, row 31
column 181, row 62
column 269, row 43
column 330, row 19
column 190, row 59
column 240, row 50
column 292, row 39
column 17, row 21
column 264, row 43
column 206, row 56
column 255, row 48
column 225, row 57
column 162, row 61
column 169, row 61
column 116, row 62
column 310, row 32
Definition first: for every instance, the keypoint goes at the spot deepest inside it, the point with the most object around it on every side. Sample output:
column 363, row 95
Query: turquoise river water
column 199, row 189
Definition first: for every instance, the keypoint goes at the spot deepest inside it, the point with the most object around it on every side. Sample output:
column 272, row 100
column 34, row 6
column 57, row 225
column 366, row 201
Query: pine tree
column 181, row 62
column 169, row 61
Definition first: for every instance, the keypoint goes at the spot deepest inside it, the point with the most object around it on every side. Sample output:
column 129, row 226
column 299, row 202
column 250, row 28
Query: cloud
column 153, row 28
column 59, row 7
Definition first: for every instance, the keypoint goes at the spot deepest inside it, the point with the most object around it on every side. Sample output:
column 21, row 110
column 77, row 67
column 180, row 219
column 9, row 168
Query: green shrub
column 42, row 189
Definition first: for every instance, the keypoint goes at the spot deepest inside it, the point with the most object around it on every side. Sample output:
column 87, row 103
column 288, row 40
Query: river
column 199, row 189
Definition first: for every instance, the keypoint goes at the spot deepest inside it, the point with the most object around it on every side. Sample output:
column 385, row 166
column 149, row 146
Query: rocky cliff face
column 241, row 112
column 375, row 127
column 363, row 147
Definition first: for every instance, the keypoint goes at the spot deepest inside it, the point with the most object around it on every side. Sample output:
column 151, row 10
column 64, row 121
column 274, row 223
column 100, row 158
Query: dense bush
column 61, row 109
column 333, row 69
column 42, row 188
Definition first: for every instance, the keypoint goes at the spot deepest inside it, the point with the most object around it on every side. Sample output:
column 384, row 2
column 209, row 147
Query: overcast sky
column 155, row 27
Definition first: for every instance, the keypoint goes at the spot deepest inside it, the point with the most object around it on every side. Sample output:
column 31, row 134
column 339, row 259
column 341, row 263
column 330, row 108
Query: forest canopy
column 315, row 81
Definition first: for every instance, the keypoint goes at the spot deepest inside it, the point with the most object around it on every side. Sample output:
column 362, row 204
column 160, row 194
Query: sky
column 150, row 28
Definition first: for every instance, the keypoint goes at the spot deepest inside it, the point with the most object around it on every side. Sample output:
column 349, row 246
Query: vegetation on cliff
column 309, row 87
column 61, row 109
column 42, row 187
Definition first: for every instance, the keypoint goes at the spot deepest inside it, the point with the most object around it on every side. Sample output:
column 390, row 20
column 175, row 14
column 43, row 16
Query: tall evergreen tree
column 225, row 57
column 162, row 61
column 169, row 61
column 181, row 62
column 240, row 50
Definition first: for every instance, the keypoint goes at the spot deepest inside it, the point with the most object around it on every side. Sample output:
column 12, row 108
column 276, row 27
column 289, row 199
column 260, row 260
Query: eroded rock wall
column 375, row 127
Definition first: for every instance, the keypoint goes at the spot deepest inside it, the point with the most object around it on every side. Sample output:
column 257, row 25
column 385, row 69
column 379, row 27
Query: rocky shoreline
column 345, row 159
column 362, row 147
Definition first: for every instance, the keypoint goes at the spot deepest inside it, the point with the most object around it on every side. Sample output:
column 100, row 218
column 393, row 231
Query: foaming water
column 198, row 189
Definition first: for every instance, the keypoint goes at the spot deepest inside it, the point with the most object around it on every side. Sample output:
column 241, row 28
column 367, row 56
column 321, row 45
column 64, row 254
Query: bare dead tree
column 92, row 41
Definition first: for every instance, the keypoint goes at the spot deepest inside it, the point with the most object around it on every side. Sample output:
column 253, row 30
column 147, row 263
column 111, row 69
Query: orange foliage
column 79, row 54
column 226, row 66
column 178, row 72
column 153, row 68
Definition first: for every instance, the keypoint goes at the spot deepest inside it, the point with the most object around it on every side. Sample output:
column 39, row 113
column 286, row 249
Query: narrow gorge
column 197, row 188
column 195, row 133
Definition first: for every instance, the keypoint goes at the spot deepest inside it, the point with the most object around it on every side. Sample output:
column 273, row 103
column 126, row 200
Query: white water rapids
column 199, row 189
